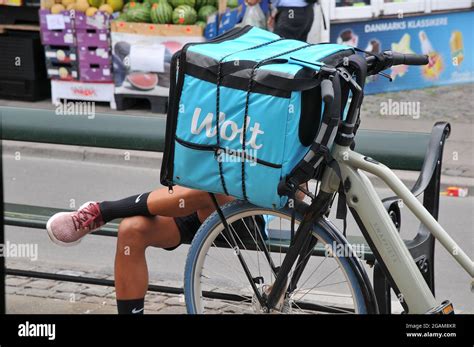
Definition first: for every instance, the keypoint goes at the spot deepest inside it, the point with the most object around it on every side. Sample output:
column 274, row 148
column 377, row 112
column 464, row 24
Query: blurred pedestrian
column 291, row 19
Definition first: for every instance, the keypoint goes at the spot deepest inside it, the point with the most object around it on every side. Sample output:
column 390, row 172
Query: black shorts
column 189, row 225
column 294, row 22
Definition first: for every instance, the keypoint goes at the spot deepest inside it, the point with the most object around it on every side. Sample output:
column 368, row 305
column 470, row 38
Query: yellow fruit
column 66, row 3
column 57, row 8
column 96, row 3
column 115, row 4
column 71, row 7
column 82, row 5
column 91, row 11
column 106, row 8
column 47, row 4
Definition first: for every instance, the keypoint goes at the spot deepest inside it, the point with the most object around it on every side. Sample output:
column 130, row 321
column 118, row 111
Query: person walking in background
column 291, row 19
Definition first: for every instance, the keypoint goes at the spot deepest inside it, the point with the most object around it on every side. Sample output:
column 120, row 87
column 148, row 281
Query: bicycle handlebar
column 327, row 91
column 409, row 59
column 380, row 62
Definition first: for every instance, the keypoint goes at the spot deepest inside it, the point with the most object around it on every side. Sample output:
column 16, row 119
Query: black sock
column 135, row 306
column 132, row 206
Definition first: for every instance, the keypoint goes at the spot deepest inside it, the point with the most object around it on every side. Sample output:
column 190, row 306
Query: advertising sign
column 448, row 39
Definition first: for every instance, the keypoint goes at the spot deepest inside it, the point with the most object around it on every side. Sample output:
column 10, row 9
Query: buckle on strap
column 320, row 150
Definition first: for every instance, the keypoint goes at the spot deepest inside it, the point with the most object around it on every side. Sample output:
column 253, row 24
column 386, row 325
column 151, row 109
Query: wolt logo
column 228, row 129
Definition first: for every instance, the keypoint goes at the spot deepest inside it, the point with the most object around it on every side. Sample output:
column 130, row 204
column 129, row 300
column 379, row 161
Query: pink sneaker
column 68, row 228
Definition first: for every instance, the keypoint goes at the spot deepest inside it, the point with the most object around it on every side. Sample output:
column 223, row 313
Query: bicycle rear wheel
column 216, row 281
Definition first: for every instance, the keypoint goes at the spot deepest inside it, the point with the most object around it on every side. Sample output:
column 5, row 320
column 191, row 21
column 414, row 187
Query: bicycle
column 234, row 237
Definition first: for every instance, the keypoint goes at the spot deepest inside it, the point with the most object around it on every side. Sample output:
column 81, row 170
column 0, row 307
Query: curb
column 152, row 160
column 108, row 156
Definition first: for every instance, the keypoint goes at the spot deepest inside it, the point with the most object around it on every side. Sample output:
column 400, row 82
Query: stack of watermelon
column 181, row 12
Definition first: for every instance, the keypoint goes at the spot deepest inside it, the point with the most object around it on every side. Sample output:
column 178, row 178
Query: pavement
column 26, row 295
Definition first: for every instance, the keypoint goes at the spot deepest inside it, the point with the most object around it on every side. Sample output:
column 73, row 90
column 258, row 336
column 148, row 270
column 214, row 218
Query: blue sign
column 448, row 39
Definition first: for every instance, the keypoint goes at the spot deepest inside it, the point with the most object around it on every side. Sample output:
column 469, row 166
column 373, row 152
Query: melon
column 202, row 24
column 91, row 11
column 122, row 17
column 66, row 3
column 129, row 5
column 116, row 5
column 143, row 80
column 96, row 3
column 184, row 15
column 138, row 14
column 232, row 3
column 47, row 4
column 71, row 7
column 161, row 12
column 57, row 8
column 200, row 3
column 176, row 3
column 106, row 8
column 82, row 5
column 205, row 12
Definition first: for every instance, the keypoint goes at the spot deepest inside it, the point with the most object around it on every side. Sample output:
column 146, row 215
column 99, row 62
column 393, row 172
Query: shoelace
column 87, row 218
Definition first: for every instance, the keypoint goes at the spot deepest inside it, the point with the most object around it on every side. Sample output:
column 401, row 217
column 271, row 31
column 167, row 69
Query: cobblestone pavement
column 30, row 295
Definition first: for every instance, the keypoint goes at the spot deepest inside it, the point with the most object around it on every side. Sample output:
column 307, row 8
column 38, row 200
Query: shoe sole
column 56, row 240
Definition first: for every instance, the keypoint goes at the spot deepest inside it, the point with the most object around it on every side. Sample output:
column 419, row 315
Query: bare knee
column 133, row 232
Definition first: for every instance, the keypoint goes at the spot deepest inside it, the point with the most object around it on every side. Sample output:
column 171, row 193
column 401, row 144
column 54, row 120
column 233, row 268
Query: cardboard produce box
column 141, row 55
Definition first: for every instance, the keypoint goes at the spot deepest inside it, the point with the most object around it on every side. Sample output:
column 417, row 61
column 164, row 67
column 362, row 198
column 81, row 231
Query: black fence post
column 2, row 237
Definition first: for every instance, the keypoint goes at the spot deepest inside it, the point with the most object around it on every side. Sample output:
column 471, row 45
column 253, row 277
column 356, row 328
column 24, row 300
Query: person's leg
column 181, row 202
column 139, row 232
column 135, row 235
column 67, row 228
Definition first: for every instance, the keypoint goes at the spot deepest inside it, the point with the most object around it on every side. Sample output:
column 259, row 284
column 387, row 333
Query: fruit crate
column 58, row 37
column 61, row 54
column 84, row 91
column 62, row 71
column 99, row 21
column 93, row 37
column 91, row 72
column 50, row 21
column 94, row 55
column 141, row 55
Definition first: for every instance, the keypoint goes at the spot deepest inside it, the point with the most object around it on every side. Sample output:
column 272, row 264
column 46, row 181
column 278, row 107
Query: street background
column 58, row 176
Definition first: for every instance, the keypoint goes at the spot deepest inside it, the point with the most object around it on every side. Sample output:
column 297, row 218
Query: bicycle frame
column 379, row 229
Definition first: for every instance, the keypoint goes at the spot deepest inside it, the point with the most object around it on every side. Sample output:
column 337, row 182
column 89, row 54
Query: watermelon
column 200, row 3
column 232, row 3
column 205, row 12
column 139, row 14
column 202, row 24
column 129, row 5
column 161, row 12
column 184, row 14
column 122, row 17
column 176, row 3
column 143, row 80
